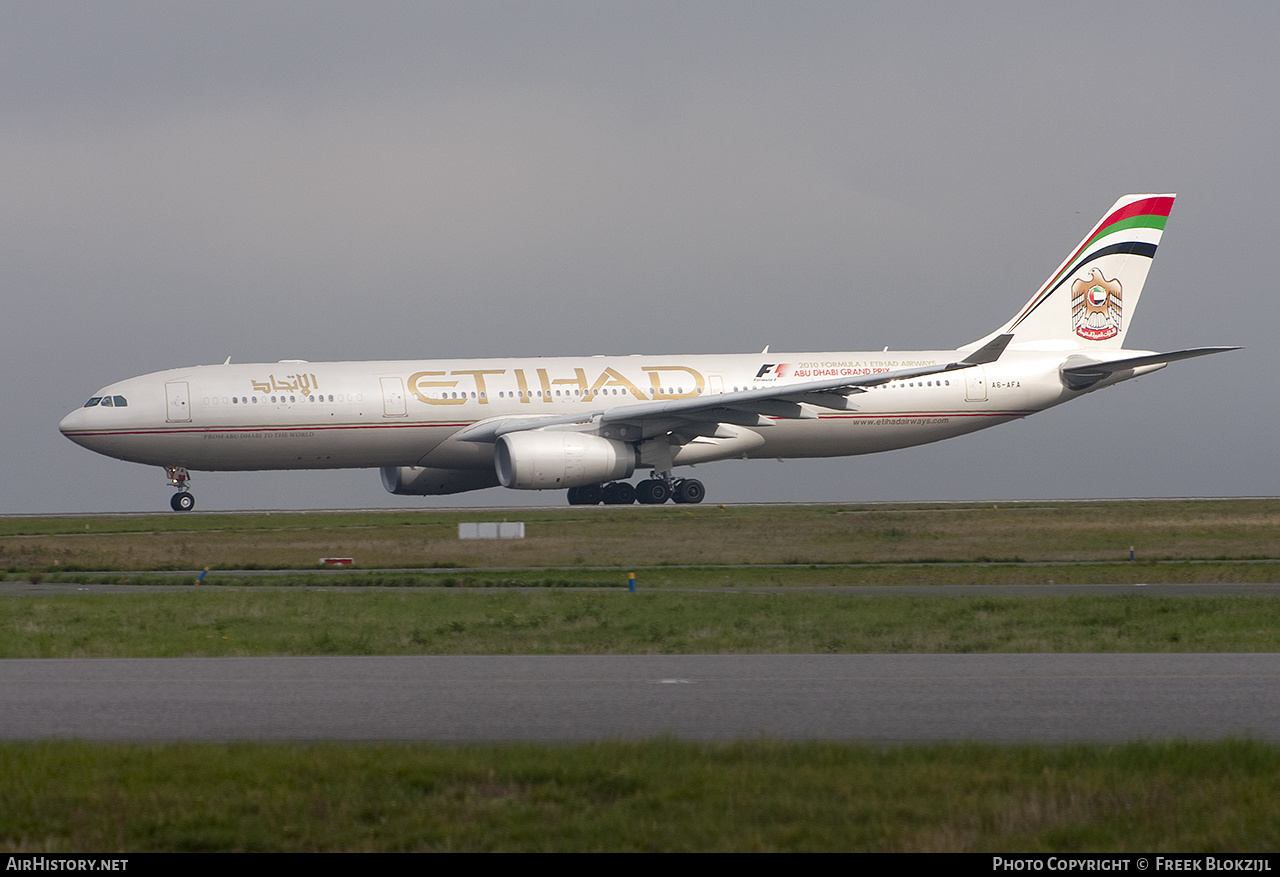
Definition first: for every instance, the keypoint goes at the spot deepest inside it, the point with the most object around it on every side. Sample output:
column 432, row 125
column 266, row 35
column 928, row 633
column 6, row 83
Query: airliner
column 588, row 424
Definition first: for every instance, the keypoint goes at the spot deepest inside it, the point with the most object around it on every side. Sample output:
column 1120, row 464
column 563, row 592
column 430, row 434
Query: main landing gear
column 651, row 491
column 182, row 501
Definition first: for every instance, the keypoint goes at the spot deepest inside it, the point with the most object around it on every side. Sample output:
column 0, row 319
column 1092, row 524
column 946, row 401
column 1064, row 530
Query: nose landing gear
column 182, row 501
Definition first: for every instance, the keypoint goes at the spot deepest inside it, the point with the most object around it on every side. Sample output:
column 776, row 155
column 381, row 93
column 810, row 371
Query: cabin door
column 975, row 384
column 393, row 404
column 178, row 394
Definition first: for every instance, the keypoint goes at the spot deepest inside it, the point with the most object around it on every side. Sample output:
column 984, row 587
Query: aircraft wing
column 745, row 407
column 1080, row 372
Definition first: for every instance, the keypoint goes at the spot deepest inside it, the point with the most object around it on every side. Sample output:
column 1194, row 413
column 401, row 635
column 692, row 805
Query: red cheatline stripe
column 924, row 415
column 458, row 425
column 919, row 414
column 213, row 429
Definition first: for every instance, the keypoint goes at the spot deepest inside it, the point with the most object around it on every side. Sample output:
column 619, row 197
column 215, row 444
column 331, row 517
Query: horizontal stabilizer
column 1079, row 372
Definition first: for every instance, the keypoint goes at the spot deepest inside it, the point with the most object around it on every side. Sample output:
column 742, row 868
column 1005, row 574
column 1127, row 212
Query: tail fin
column 1090, row 300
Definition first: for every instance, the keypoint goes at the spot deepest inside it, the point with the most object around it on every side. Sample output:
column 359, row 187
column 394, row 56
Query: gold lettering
column 579, row 381
column 291, row 383
column 525, row 397
column 656, row 380
column 479, row 374
column 416, row 382
column 611, row 378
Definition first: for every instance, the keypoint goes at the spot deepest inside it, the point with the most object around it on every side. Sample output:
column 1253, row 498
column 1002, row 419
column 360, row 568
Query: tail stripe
column 1139, row 248
column 1148, row 213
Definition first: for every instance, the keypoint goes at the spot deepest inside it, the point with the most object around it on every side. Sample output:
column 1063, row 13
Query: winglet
column 989, row 352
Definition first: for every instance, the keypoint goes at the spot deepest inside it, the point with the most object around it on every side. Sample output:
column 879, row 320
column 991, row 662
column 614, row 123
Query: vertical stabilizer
column 1090, row 300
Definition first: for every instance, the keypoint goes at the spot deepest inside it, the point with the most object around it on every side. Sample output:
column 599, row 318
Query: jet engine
column 420, row 481
column 547, row 460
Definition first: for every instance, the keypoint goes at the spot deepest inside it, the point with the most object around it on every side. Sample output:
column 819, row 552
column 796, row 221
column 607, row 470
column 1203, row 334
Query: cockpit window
column 107, row 402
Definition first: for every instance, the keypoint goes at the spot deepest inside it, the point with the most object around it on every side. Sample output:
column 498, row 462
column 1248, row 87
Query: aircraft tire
column 590, row 494
column 689, row 490
column 651, row 491
column 182, row 502
column 619, row 493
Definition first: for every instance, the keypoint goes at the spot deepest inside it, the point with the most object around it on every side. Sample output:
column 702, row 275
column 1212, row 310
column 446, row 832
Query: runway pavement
column 1001, row 698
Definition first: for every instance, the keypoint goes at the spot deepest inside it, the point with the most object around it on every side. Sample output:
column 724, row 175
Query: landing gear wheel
column 689, row 490
column 652, row 491
column 182, row 502
column 619, row 493
column 587, row 494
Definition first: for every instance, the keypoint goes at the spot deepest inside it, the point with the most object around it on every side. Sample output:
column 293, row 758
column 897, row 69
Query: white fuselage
column 301, row 415
column 588, row 423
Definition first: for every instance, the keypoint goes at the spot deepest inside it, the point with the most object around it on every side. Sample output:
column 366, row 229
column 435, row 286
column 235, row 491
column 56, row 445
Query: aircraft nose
column 70, row 424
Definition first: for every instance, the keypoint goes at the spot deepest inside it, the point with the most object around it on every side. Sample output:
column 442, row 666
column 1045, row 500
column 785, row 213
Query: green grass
column 657, row 536
column 726, row 576
column 658, row 795
column 417, row 622
column 661, row 794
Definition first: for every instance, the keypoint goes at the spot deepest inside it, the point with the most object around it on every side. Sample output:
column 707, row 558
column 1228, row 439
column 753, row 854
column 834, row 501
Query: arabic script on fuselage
column 303, row 384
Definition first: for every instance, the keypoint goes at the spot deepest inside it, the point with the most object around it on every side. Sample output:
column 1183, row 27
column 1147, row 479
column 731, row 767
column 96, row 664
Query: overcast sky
column 187, row 182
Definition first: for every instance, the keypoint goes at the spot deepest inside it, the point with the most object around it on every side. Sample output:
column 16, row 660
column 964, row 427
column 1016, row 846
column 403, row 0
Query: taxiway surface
column 1004, row 698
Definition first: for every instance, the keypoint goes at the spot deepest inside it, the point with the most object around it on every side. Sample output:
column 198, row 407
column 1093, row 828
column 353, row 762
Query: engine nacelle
column 550, row 460
column 420, row 481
